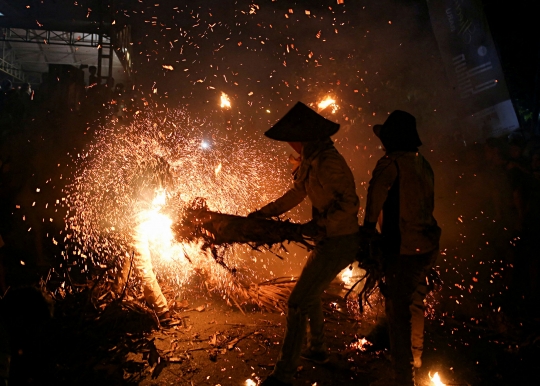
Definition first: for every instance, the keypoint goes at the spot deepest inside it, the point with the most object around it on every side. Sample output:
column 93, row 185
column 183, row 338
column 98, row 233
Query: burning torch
column 328, row 102
column 226, row 108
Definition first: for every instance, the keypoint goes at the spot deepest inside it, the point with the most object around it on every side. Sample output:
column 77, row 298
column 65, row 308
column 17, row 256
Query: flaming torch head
column 328, row 101
column 225, row 101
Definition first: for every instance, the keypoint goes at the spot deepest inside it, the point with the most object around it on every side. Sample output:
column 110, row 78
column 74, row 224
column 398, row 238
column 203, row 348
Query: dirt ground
column 221, row 346
column 208, row 343
column 215, row 344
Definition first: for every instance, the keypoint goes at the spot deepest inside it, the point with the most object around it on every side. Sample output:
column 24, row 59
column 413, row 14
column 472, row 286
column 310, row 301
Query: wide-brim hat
column 398, row 132
column 302, row 124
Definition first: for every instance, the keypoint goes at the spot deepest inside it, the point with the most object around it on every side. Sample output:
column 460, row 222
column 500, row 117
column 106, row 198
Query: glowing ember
column 250, row 382
column 218, row 168
column 361, row 344
column 225, row 101
column 328, row 101
column 436, row 380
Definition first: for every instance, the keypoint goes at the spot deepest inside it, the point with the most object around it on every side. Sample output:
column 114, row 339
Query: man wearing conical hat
column 402, row 188
column 326, row 179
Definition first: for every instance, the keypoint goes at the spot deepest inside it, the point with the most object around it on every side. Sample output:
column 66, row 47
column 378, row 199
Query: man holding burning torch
column 324, row 177
column 402, row 188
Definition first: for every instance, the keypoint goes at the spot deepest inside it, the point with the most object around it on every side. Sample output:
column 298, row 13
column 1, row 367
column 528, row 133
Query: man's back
column 408, row 220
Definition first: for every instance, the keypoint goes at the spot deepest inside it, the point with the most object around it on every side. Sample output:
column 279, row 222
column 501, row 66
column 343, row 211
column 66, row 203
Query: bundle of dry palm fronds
column 272, row 295
column 199, row 223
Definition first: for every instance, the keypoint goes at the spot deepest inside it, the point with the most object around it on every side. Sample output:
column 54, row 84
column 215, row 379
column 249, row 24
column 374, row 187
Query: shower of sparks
column 225, row 101
column 132, row 182
column 436, row 380
column 328, row 101
column 371, row 312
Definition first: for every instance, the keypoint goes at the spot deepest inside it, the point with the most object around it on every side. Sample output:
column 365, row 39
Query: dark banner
column 473, row 68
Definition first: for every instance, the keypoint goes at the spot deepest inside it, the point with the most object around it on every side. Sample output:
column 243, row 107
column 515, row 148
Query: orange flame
column 225, row 101
column 328, row 101
column 436, row 380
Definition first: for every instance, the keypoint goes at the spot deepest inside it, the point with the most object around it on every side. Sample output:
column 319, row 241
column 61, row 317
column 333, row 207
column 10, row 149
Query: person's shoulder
column 388, row 158
column 330, row 152
column 426, row 165
column 330, row 157
column 407, row 156
column 421, row 157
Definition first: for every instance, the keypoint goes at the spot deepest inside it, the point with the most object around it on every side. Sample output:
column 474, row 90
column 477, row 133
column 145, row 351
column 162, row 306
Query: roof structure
column 30, row 41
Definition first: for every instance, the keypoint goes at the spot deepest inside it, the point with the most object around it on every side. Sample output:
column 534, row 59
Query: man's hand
column 257, row 214
column 311, row 229
column 368, row 232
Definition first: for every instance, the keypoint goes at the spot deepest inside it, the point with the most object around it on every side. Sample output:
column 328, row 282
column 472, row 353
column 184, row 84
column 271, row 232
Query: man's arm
column 383, row 177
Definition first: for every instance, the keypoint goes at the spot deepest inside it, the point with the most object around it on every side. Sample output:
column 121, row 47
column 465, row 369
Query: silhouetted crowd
column 15, row 105
column 38, row 128
column 63, row 90
column 34, row 124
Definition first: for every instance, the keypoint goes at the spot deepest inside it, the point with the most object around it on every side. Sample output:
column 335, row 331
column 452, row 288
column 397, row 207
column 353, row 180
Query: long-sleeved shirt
column 402, row 187
column 329, row 185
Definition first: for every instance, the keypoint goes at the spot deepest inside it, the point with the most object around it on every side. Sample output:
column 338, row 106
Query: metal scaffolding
column 52, row 37
column 106, row 41
column 10, row 65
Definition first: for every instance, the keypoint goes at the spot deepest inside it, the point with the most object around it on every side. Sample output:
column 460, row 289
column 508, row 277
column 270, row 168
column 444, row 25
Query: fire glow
column 155, row 230
column 436, row 380
column 347, row 276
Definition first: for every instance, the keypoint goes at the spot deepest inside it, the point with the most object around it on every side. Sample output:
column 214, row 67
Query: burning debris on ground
column 98, row 183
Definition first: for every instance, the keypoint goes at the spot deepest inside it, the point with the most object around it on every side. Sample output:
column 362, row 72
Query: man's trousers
column 329, row 257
